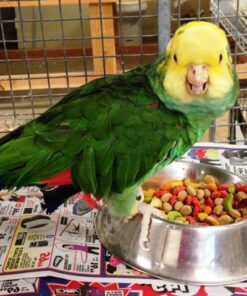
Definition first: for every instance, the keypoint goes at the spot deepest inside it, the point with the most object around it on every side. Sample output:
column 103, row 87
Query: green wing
column 111, row 132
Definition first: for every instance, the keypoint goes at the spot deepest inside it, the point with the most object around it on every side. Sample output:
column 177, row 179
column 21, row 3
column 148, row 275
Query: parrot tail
column 56, row 196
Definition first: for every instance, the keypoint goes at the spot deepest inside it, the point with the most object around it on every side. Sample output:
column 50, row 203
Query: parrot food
column 205, row 202
column 109, row 135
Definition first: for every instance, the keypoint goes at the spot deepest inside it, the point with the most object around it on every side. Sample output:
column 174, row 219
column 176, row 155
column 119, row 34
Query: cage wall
column 50, row 47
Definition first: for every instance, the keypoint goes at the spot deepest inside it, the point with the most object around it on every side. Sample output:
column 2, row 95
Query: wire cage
column 50, row 47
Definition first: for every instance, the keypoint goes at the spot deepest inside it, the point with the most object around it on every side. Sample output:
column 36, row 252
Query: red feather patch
column 154, row 105
column 63, row 178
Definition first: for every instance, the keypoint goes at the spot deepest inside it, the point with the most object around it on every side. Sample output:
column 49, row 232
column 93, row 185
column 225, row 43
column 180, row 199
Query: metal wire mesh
column 49, row 47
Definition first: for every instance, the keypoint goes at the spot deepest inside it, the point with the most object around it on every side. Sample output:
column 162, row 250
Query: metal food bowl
column 211, row 255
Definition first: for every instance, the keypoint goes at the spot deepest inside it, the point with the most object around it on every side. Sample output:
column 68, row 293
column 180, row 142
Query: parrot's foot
column 147, row 211
column 134, row 210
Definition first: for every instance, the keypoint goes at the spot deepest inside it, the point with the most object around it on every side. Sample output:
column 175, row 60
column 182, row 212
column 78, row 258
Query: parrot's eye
column 175, row 58
column 221, row 57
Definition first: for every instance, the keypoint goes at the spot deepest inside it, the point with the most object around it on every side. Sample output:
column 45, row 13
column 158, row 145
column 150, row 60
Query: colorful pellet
column 204, row 203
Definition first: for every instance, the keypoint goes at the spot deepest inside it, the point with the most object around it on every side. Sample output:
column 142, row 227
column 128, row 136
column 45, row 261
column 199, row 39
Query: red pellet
column 224, row 194
column 172, row 200
column 159, row 193
column 177, row 189
column 238, row 186
column 209, row 202
column 195, row 201
column 191, row 220
column 223, row 187
column 243, row 188
column 215, row 194
column 235, row 202
column 196, row 210
column 188, row 200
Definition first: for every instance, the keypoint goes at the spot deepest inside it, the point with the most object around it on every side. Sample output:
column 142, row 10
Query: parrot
column 108, row 136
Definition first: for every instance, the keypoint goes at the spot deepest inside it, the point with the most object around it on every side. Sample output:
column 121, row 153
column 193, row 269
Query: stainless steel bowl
column 184, row 253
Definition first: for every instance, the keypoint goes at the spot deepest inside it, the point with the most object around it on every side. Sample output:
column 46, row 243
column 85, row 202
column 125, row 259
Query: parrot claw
column 147, row 211
column 134, row 211
column 140, row 194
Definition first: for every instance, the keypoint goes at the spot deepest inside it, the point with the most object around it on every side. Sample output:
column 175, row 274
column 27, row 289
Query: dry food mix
column 206, row 202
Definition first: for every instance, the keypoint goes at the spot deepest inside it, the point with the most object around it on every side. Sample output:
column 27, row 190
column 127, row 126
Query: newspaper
column 65, row 245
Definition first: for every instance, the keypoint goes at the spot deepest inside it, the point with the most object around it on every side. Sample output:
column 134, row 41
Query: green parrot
column 106, row 137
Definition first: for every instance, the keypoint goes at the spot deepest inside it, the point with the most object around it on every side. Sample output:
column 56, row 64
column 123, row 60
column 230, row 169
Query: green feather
column 104, row 184
column 86, row 170
column 121, row 204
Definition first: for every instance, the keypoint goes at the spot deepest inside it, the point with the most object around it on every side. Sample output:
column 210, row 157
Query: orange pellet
column 207, row 209
column 166, row 187
column 212, row 186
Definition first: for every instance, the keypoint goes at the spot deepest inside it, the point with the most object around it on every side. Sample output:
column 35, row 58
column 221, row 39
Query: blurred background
column 50, row 47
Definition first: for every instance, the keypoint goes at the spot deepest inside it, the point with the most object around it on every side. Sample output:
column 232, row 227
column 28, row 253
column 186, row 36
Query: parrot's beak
column 197, row 79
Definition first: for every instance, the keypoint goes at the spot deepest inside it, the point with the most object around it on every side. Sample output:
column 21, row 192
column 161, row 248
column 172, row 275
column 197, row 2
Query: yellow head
column 199, row 63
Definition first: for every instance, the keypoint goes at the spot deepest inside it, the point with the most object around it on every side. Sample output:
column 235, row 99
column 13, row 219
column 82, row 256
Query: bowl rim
column 197, row 164
column 181, row 225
